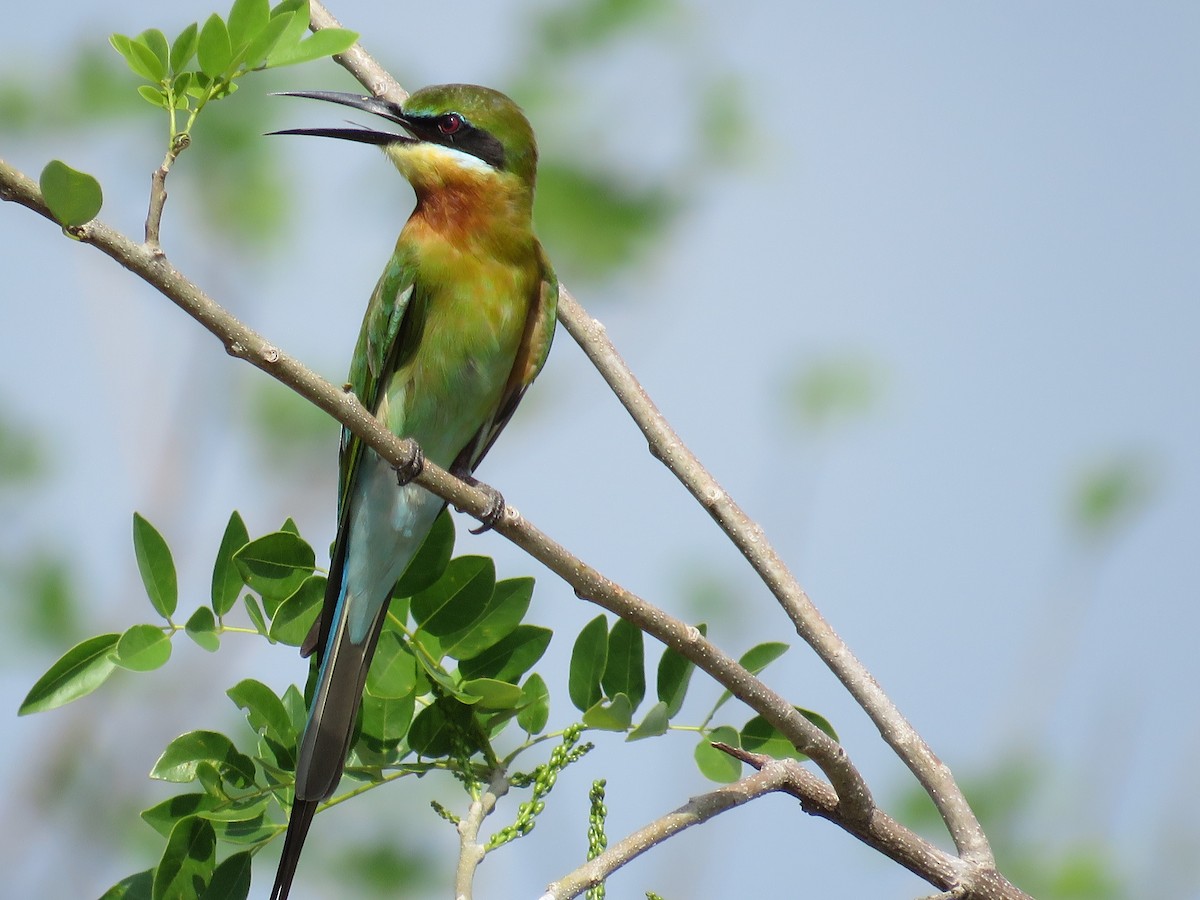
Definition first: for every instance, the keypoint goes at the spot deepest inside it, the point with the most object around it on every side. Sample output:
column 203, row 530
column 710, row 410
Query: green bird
column 456, row 330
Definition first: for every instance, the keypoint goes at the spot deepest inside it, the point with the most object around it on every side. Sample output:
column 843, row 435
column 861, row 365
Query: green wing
column 379, row 349
column 380, row 345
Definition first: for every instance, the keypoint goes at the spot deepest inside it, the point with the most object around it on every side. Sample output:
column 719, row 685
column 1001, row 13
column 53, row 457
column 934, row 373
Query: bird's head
column 456, row 133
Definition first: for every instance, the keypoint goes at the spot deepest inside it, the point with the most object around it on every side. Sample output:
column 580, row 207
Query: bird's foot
column 493, row 512
column 411, row 467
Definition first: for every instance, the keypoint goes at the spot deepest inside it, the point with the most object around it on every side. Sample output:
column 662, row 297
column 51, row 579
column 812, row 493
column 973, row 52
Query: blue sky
column 995, row 206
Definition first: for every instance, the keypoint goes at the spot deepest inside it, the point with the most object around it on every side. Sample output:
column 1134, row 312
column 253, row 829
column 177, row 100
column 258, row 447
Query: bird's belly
column 453, row 385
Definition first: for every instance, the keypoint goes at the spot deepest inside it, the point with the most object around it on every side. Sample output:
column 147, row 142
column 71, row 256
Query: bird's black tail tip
column 297, row 830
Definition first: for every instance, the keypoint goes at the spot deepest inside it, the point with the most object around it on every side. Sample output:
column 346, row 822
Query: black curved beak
column 366, row 103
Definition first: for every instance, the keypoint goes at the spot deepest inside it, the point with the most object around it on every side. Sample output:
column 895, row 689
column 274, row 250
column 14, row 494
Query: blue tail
column 382, row 529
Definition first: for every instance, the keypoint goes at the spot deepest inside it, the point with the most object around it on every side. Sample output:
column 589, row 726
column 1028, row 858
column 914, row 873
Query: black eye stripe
column 453, row 130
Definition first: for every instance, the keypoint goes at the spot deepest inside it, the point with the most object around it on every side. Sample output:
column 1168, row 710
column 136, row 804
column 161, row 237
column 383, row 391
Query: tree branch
column 749, row 538
column 848, row 803
column 937, row 779
column 153, row 266
column 470, row 851
column 880, row 832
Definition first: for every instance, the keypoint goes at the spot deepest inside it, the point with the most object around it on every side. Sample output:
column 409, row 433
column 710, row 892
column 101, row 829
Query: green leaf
column 393, row 672
column 143, row 648
column 213, row 49
column 149, row 66
column 510, row 658
column 187, row 862
column 674, row 674
column 152, row 95
column 297, row 16
column 76, row 674
column 163, row 816
column 625, row 669
column 387, row 720
column 156, row 566
column 437, row 727
column 760, row 656
column 508, row 604
column 264, row 42
column 139, row 56
column 180, row 761
column 588, row 659
column 135, row 887
column 73, row 197
column 293, row 702
column 209, row 778
column 256, row 614
column 245, row 809
column 184, row 47
column 611, row 715
column 754, row 661
column 275, row 565
column 431, row 560
column 760, row 736
column 231, row 880
column 226, row 578
column 493, row 694
column 715, row 764
column 535, row 705
column 457, row 598
column 201, row 627
column 653, row 725
column 123, row 44
column 265, row 711
column 294, row 617
column 246, row 19
column 326, row 42
column 156, row 42
column 253, row 833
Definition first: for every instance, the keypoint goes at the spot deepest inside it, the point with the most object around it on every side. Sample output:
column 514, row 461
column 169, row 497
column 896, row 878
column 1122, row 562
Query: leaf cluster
column 608, row 684
column 203, row 63
column 451, row 673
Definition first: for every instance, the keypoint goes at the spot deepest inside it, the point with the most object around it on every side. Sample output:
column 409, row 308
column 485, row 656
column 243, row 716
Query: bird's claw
column 493, row 513
column 411, row 467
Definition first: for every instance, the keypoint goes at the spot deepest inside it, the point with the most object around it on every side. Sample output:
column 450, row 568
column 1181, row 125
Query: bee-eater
column 457, row 328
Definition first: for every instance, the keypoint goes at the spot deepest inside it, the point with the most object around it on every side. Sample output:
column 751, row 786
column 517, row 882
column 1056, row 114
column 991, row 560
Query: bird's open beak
column 374, row 105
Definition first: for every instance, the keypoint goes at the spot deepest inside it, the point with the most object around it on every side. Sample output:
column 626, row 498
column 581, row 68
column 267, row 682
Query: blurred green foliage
column 1108, row 495
column 822, row 393
column 1049, row 867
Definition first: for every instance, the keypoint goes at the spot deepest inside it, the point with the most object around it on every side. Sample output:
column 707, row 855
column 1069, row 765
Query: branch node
column 269, row 353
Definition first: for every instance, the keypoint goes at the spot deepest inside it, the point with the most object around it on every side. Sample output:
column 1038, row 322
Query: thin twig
column 470, row 850
column 880, row 831
column 695, row 812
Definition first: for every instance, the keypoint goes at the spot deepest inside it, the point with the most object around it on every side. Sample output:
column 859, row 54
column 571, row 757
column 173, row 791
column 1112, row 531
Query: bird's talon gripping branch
column 494, row 512
column 411, row 467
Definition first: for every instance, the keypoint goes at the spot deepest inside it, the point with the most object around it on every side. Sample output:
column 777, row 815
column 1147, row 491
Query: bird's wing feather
column 535, row 347
column 375, row 355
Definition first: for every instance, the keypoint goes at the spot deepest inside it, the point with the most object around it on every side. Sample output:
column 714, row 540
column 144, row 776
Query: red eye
column 450, row 123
